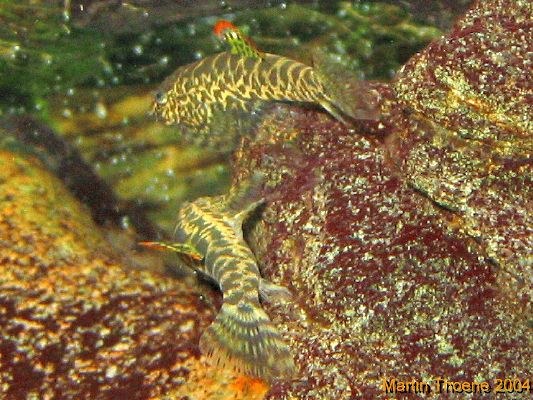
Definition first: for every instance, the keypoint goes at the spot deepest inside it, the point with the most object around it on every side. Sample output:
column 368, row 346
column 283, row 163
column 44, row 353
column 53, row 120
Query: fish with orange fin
column 203, row 95
column 240, row 44
column 242, row 335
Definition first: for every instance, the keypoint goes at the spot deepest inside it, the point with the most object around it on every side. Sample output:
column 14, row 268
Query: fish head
column 161, row 106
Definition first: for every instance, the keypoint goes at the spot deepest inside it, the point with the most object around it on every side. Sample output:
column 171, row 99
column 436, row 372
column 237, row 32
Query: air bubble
column 67, row 113
column 100, row 110
column 108, row 69
column 191, row 29
column 170, row 173
column 138, row 49
column 125, row 222
column 47, row 59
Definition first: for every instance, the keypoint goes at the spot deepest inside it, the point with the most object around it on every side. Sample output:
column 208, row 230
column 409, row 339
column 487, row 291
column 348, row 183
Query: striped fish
column 242, row 334
column 194, row 93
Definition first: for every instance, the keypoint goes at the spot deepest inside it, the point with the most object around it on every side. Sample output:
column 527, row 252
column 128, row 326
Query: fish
column 217, row 98
column 240, row 44
column 227, row 82
column 242, row 335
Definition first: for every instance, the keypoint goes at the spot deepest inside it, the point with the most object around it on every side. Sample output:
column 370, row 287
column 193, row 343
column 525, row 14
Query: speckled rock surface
column 76, row 321
column 383, row 287
column 406, row 242
column 467, row 142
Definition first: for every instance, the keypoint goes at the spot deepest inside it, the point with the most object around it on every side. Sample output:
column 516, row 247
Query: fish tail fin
column 243, row 338
column 343, row 92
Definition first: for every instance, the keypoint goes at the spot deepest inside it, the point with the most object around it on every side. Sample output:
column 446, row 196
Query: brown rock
column 76, row 322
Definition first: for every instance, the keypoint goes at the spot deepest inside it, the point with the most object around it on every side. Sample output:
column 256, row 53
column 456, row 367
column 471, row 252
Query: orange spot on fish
column 222, row 26
column 248, row 386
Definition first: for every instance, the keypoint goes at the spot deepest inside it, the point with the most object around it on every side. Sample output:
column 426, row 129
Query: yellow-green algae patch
column 34, row 205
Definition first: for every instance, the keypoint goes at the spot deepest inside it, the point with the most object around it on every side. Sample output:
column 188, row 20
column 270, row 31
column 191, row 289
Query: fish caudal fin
column 243, row 337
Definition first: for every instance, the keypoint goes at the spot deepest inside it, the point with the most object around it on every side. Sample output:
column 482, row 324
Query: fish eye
column 160, row 98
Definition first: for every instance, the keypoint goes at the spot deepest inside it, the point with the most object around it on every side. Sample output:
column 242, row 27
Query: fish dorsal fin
column 239, row 43
column 353, row 97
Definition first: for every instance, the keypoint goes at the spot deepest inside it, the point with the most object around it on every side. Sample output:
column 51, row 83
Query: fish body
column 242, row 335
column 230, row 82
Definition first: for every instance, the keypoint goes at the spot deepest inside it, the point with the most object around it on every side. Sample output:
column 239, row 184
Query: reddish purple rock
column 407, row 243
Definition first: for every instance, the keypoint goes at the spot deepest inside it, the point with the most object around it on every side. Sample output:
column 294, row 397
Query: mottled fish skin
column 242, row 334
column 226, row 81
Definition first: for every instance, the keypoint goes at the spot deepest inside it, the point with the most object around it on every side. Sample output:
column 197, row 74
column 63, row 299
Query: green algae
column 41, row 54
column 370, row 39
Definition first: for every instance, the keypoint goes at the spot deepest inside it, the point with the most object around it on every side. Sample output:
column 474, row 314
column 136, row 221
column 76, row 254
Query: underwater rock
column 463, row 135
column 382, row 287
column 31, row 136
column 405, row 243
column 75, row 320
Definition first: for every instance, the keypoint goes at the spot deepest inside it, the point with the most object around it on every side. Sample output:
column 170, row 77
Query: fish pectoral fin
column 239, row 197
column 330, row 108
column 242, row 215
column 273, row 293
column 184, row 249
